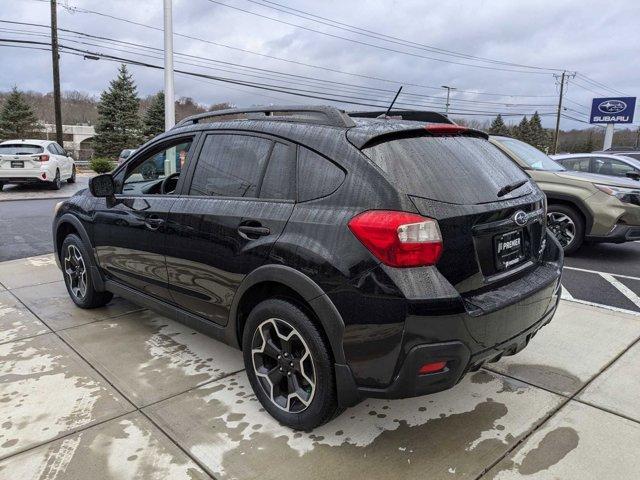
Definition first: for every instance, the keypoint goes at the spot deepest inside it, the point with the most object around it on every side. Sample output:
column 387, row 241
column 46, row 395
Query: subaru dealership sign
column 613, row 110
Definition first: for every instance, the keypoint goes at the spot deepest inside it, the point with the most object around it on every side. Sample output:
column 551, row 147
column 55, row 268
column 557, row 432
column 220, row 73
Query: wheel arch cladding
column 567, row 201
column 69, row 224
column 271, row 281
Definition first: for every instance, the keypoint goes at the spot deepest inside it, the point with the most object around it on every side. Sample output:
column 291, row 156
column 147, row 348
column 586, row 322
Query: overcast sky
column 597, row 39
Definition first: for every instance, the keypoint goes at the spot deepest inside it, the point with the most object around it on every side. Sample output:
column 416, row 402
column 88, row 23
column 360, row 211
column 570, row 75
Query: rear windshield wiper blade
column 511, row 187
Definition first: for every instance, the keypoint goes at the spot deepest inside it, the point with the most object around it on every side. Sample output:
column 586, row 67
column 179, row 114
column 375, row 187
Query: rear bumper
column 460, row 360
column 619, row 234
column 383, row 357
column 15, row 175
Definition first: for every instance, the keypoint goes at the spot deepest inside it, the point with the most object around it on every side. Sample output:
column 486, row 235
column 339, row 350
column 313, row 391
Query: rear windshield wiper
column 511, row 187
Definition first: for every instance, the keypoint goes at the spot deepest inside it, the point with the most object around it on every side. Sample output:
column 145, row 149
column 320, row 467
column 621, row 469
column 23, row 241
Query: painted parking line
column 600, row 273
column 615, row 292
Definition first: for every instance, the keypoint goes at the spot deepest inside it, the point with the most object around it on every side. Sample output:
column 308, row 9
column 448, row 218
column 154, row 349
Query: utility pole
column 446, row 110
column 55, row 57
column 169, row 95
column 563, row 78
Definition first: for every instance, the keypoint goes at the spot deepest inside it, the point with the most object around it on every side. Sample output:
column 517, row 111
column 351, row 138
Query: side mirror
column 634, row 175
column 102, row 186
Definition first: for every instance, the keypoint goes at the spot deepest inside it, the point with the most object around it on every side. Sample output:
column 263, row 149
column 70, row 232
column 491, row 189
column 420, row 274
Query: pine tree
column 119, row 124
column 538, row 136
column 17, row 119
column 498, row 127
column 521, row 131
column 154, row 118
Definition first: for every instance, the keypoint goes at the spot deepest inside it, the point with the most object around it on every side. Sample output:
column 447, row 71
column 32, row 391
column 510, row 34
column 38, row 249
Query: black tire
column 72, row 178
column 56, row 184
column 1, row 186
column 89, row 297
column 323, row 404
column 557, row 211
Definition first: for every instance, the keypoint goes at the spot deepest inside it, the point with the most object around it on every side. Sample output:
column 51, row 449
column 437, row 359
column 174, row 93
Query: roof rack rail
column 322, row 115
column 415, row 115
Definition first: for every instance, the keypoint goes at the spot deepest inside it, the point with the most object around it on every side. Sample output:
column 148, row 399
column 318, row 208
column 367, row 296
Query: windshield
column 452, row 169
column 20, row 149
column 533, row 157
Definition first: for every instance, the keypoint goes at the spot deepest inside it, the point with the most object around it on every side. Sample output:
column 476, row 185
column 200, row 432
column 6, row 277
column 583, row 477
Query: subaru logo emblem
column 520, row 218
column 612, row 106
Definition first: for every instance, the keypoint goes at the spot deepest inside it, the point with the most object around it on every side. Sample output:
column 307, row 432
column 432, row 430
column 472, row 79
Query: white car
column 617, row 165
column 35, row 161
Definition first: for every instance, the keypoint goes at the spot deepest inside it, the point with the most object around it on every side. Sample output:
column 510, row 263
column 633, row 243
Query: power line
column 388, row 38
column 395, row 82
column 352, row 87
column 380, row 47
column 361, row 101
column 599, row 84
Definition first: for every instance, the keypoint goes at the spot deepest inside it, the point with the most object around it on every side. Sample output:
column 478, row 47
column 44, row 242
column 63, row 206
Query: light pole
column 446, row 110
column 169, row 100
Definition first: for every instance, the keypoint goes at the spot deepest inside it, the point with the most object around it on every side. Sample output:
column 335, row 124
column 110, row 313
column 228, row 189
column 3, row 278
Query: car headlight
column 626, row 195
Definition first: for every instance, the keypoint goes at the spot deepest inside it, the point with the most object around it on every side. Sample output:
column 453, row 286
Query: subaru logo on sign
column 612, row 110
column 612, row 106
column 520, row 218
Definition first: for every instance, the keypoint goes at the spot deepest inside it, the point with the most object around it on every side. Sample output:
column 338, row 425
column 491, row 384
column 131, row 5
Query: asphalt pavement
column 26, row 212
column 25, row 228
column 605, row 274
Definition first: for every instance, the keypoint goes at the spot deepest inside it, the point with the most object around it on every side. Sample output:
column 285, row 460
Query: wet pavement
column 120, row 392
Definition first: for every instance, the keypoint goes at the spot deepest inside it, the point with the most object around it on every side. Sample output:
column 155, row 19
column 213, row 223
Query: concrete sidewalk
column 121, row 392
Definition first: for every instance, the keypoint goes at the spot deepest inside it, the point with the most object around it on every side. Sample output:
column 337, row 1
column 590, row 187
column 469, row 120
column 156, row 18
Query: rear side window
column 317, row 176
column 279, row 181
column 452, row 169
column 230, row 166
column 20, row 149
column 577, row 164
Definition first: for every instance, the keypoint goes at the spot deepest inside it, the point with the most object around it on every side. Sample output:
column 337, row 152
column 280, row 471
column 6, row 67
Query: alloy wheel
column 76, row 272
column 562, row 227
column 283, row 365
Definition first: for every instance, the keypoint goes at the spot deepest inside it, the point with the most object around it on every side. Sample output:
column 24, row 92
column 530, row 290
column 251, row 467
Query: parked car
column 124, row 154
column 35, row 161
column 581, row 206
column 627, row 152
column 347, row 257
column 602, row 163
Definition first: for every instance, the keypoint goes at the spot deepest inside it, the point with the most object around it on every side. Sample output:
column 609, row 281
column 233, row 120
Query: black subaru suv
column 347, row 257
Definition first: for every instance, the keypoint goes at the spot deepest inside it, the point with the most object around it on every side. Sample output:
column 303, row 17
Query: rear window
column 20, row 149
column 452, row 169
column 533, row 157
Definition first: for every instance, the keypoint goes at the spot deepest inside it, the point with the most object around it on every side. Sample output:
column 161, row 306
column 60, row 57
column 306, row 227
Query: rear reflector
column 398, row 239
column 444, row 129
column 44, row 158
column 432, row 367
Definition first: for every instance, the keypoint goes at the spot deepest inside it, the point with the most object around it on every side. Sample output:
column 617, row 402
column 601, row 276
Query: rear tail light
column 44, row 158
column 398, row 239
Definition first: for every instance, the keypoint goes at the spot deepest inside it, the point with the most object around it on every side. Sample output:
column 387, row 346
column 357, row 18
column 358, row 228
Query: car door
column 54, row 159
column 130, row 234
column 239, row 199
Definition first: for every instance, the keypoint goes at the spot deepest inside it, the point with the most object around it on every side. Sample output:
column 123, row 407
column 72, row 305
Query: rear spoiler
column 413, row 115
column 431, row 129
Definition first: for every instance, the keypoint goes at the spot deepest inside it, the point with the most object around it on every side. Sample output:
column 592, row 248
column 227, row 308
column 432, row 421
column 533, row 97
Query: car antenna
column 386, row 114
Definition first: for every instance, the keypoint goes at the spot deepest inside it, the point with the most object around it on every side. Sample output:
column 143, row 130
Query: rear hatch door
column 459, row 179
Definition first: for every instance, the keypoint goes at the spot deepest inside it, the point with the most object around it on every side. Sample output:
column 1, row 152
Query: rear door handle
column 153, row 222
column 250, row 232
